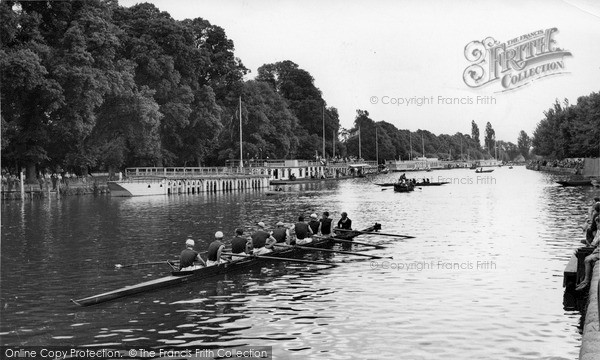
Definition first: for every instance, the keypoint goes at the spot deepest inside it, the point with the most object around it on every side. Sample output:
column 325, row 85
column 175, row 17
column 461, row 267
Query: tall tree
column 475, row 133
column 305, row 101
column 490, row 138
column 524, row 144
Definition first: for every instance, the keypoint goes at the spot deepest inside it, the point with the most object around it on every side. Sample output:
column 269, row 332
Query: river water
column 482, row 278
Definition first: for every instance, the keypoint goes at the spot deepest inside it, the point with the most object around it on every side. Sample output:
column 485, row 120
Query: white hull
column 137, row 188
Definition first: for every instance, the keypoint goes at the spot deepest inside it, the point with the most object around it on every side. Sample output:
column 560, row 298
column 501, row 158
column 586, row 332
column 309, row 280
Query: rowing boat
column 438, row 183
column 432, row 183
column 484, row 171
column 407, row 187
column 180, row 277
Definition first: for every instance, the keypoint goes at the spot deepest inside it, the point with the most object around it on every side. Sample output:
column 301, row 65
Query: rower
column 188, row 256
column 345, row 222
column 281, row 234
column 215, row 249
column 240, row 245
column 314, row 223
column 325, row 226
column 303, row 232
column 262, row 241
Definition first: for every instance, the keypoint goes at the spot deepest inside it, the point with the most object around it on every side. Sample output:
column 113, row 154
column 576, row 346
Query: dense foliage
column 569, row 131
column 90, row 85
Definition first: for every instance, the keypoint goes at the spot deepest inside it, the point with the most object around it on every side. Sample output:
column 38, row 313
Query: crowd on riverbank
column 572, row 163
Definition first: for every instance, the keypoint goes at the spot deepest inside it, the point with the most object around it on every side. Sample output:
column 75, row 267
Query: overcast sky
column 363, row 54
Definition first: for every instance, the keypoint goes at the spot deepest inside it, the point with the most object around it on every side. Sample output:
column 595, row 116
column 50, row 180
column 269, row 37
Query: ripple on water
column 513, row 310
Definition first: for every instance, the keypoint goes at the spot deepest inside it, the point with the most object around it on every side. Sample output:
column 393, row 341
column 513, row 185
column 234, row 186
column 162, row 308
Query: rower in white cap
column 262, row 241
column 188, row 256
column 214, row 250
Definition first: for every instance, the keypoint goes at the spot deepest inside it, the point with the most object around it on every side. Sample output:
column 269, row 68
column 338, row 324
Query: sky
column 378, row 55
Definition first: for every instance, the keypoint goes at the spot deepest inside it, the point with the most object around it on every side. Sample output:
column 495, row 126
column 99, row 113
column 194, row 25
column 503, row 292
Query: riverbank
column 587, row 168
column 33, row 192
column 590, row 342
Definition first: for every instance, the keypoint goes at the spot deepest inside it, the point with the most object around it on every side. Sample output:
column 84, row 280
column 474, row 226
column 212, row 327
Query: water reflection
column 522, row 222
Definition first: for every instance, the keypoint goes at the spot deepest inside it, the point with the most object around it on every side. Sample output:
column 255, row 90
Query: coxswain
column 345, row 222
column 215, row 249
column 303, row 232
column 188, row 256
column 325, row 226
column 314, row 223
column 281, row 234
column 262, row 241
column 240, row 245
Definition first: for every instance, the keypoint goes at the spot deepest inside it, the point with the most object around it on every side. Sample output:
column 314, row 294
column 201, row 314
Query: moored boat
column 575, row 182
column 280, row 192
column 483, row 171
column 179, row 277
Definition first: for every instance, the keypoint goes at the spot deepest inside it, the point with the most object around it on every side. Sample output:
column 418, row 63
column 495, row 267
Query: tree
column 475, row 133
column 490, row 138
column 306, row 103
column 569, row 130
column 523, row 144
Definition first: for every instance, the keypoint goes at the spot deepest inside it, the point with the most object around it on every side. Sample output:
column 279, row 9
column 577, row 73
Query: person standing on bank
column 303, row 232
column 345, row 222
column 215, row 249
column 188, row 256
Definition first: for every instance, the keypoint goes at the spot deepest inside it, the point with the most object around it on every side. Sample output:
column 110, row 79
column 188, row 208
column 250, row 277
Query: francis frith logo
column 516, row 62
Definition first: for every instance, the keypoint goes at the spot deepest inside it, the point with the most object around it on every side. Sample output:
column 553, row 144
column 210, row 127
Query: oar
column 357, row 243
column 119, row 266
column 335, row 251
column 283, row 259
column 376, row 233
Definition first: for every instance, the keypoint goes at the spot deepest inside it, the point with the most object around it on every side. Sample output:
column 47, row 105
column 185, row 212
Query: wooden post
column 22, row 184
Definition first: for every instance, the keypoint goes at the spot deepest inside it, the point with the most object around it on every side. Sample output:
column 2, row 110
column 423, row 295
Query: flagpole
column 241, row 151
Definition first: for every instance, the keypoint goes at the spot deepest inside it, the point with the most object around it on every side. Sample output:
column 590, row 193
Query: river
column 482, row 278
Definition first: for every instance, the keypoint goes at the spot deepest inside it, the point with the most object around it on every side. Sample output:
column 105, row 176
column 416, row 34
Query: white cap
column 189, row 242
column 314, row 216
column 219, row 235
column 279, row 224
column 261, row 224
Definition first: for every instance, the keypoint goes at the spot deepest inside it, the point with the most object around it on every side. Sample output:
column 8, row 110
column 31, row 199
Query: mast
column 376, row 147
column 359, row 150
column 241, row 151
column 333, row 142
column 495, row 151
column 323, row 131
column 410, row 144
